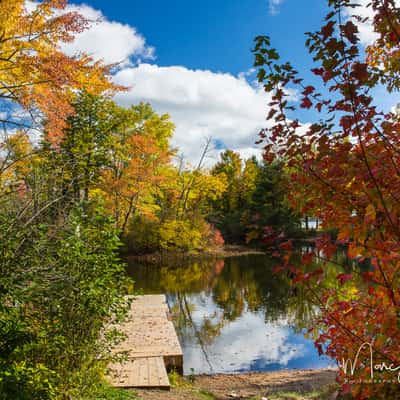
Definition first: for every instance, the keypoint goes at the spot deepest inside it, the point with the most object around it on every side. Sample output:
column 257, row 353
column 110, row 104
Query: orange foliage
column 139, row 152
column 34, row 72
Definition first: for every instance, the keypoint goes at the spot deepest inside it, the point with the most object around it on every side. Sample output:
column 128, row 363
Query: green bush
column 20, row 381
column 57, row 295
column 143, row 236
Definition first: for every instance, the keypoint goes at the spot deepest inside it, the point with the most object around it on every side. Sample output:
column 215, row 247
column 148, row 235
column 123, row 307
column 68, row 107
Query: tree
column 86, row 142
column 268, row 206
column 348, row 163
column 60, row 278
column 251, row 172
column 255, row 198
column 139, row 152
column 35, row 75
column 231, row 166
column 174, row 215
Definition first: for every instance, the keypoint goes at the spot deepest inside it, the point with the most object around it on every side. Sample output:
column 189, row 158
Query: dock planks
column 148, row 372
column 151, row 345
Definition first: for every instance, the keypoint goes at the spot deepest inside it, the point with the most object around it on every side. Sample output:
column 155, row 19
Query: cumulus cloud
column 108, row 40
column 202, row 104
column 111, row 41
column 367, row 34
column 274, row 6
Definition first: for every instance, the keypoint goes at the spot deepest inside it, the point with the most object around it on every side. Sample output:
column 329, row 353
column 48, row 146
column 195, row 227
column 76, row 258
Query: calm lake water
column 234, row 315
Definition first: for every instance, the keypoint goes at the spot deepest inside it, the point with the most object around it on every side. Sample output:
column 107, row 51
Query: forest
column 85, row 181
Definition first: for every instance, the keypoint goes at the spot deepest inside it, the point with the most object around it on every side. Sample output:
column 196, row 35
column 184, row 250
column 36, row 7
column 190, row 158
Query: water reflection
column 234, row 315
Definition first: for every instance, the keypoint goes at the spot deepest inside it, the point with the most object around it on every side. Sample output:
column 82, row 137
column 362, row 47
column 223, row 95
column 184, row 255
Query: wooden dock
column 152, row 346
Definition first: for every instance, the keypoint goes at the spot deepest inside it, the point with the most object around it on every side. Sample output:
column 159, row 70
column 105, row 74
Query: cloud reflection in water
column 247, row 344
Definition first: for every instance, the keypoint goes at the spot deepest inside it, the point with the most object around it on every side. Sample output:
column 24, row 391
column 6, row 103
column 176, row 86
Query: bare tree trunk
column 190, row 185
column 128, row 213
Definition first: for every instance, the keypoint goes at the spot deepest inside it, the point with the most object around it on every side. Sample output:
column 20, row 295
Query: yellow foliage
column 34, row 72
column 180, row 235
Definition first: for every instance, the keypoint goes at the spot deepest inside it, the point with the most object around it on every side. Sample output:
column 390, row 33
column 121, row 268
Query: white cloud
column 247, row 152
column 232, row 351
column 366, row 32
column 110, row 41
column 201, row 103
column 274, row 6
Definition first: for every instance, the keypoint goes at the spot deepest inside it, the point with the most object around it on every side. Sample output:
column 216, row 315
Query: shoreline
column 230, row 250
column 304, row 384
column 223, row 252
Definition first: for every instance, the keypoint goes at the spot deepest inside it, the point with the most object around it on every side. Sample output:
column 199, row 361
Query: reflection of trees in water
column 207, row 295
column 249, row 284
column 302, row 310
column 197, row 278
column 232, row 287
column 187, row 328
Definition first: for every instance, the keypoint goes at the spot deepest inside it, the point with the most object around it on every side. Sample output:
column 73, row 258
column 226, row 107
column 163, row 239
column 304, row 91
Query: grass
column 204, row 395
column 176, row 380
column 179, row 382
column 107, row 392
column 323, row 394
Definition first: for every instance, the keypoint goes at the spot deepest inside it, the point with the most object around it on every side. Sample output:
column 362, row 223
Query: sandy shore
column 279, row 385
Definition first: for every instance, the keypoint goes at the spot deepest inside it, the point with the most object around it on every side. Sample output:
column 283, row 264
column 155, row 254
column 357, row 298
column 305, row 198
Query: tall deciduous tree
column 35, row 75
column 139, row 153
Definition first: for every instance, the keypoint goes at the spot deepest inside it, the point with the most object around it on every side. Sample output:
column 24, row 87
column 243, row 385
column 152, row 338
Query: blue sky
column 215, row 34
column 192, row 60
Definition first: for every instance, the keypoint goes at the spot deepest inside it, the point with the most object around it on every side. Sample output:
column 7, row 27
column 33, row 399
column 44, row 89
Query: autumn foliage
column 60, row 278
column 345, row 170
column 34, row 72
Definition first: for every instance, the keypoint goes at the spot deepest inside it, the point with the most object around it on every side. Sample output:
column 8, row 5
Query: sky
column 193, row 60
